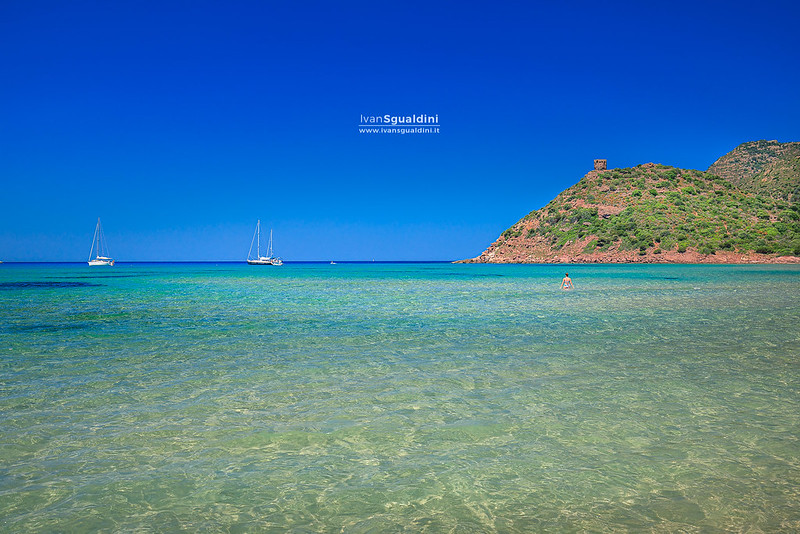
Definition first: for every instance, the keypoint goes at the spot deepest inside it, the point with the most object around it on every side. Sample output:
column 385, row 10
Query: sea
column 399, row 397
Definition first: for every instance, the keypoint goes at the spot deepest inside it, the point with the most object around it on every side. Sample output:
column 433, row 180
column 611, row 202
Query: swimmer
column 566, row 283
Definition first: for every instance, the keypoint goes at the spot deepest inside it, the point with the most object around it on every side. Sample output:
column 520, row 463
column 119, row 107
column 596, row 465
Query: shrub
column 644, row 240
column 790, row 215
column 681, row 247
column 582, row 215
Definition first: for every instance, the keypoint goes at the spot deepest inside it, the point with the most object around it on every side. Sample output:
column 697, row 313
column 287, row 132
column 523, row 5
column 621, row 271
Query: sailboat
column 99, row 248
column 269, row 259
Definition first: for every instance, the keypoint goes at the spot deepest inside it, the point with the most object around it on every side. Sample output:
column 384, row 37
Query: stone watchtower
column 599, row 164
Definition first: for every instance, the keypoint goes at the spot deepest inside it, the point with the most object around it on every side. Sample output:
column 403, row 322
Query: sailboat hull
column 96, row 263
column 264, row 261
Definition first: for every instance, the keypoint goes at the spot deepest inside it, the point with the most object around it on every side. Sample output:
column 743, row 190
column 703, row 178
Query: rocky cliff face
column 658, row 214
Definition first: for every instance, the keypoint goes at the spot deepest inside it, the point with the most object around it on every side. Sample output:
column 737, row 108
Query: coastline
column 631, row 256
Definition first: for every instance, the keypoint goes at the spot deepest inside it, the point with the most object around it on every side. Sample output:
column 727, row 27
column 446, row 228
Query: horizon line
column 232, row 261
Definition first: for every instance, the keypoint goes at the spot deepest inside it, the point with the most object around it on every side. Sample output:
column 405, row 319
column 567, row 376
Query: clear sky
column 181, row 123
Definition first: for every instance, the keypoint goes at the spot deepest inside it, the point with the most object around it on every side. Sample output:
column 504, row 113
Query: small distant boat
column 333, row 263
column 99, row 248
column 269, row 259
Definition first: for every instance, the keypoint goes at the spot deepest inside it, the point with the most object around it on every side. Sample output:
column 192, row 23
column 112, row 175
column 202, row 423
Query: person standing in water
column 566, row 283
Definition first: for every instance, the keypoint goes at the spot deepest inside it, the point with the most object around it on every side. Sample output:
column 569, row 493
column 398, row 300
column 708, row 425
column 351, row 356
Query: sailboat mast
column 102, row 244
column 258, row 245
column 94, row 239
column 270, row 243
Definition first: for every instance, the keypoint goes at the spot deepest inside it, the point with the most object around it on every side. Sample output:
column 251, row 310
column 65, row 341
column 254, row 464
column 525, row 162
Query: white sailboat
column 99, row 248
column 269, row 259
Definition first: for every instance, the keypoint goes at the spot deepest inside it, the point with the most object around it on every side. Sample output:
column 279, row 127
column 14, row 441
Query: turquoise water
column 399, row 398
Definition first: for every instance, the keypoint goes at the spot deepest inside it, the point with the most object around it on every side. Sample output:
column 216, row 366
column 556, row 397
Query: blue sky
column 181, row 123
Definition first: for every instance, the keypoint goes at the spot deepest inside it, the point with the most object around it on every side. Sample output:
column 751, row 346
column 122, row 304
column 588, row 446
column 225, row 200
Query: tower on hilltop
column 599, row 164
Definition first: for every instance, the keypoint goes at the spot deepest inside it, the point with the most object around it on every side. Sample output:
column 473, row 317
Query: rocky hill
column 660, row 214
column 765, row 167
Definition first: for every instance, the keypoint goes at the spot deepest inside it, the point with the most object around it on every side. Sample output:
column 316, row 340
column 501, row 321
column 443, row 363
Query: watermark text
column 399, row 124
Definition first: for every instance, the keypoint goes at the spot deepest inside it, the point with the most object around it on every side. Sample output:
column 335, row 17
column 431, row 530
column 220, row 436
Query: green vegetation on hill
column 654, row 208
column 767, row 168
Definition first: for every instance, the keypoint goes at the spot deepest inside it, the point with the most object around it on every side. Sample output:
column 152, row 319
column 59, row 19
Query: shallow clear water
column 399, row 397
